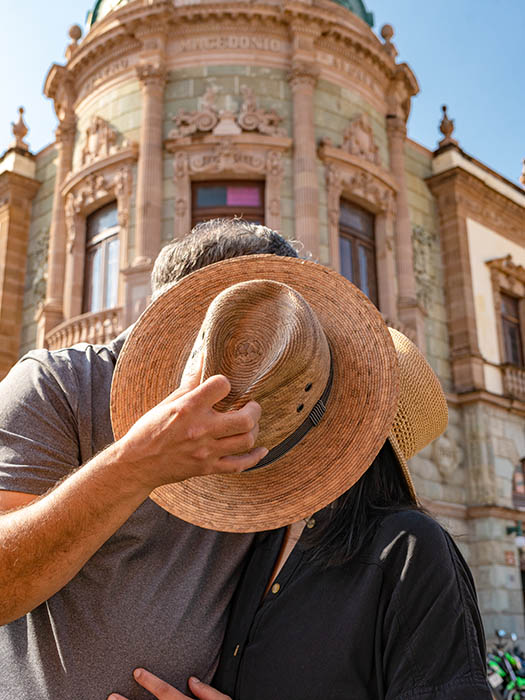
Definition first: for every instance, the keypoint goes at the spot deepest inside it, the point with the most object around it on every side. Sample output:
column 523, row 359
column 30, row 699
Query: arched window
column 227, row 198
column 357, row 250
column 102, row 259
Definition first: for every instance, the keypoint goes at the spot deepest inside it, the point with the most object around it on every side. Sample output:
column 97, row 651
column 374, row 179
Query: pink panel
column 242, row 197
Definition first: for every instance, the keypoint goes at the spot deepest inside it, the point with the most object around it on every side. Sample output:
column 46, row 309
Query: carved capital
column 303, row 73
column 151, row 75
column 396, row 127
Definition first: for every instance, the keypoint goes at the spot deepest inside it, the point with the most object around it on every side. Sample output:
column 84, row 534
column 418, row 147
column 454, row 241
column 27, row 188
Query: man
column 92, row 570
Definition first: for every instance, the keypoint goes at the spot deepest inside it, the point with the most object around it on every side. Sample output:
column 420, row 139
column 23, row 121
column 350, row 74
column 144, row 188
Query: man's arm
column 46, row 542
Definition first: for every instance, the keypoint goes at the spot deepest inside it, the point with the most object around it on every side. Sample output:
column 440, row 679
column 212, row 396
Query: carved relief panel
column 224, row 144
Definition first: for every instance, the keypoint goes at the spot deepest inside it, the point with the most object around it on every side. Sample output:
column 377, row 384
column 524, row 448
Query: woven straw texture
column 331, row 457
column 422, row 413
column 266, row 339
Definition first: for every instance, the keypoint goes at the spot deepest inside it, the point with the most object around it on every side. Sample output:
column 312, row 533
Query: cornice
column 122, row 33
column 21, row 186
column 246, row 139
column 481, row 396
column 494, row 511
column 473, row 198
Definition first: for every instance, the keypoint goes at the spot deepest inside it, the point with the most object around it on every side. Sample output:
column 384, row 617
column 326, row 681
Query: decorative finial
column 522, row 177
column 74, row 33
column 387, row 32
column 19, row 131
column 446, row 127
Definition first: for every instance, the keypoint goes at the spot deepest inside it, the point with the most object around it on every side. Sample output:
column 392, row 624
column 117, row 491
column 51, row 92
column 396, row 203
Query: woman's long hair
column 345, row 526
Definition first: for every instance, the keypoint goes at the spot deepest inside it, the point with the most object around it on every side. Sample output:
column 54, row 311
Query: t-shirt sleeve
column 38, row 427
column 433, row 645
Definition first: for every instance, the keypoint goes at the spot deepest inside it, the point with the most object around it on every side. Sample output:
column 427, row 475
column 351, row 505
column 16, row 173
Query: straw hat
column 422, row 412
column 298, row 338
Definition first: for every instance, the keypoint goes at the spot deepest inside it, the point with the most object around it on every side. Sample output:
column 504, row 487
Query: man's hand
column 184, row 436
column 47, row 541
column 163, row 691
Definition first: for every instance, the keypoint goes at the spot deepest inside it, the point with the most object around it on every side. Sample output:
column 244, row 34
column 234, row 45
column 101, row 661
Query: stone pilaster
column 303, row 78
column 149, row 173
column 51, row 313
column 16, row 194
column 409, row 311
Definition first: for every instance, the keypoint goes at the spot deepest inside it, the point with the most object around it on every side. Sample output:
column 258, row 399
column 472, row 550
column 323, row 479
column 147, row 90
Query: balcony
column 96, row 328
column 514, row 382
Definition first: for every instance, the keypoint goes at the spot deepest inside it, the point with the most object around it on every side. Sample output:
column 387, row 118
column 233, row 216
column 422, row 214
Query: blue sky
column 465, row 53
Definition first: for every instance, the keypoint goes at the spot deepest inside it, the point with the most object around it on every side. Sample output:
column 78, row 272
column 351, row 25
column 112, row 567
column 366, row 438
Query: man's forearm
column 44, row 544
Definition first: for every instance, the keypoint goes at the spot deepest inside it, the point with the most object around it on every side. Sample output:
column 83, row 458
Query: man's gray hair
column 211, row 241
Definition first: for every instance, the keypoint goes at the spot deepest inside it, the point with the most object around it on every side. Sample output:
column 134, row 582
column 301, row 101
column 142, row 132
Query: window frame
column 256, row 214
column 359, row 239
column 100, row 241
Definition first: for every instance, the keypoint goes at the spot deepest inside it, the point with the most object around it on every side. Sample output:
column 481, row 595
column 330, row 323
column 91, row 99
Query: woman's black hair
column 350, row 522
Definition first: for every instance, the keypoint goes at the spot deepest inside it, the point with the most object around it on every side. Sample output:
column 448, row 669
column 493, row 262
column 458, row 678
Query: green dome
column 359, row 9
column 104, row 7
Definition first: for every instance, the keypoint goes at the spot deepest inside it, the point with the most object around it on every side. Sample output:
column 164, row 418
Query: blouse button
column 276, row 588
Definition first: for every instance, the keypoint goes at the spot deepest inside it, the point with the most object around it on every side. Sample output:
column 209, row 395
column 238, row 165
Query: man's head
column 212, row 241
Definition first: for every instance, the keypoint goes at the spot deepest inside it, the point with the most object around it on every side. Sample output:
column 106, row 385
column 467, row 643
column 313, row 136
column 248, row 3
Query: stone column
column 409, row 311
column 148, row 220
column 16, row 194
column 303, row 78
column 51, row 313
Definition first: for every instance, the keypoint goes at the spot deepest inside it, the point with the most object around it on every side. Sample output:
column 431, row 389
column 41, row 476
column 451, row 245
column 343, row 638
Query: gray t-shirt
column 155, row 594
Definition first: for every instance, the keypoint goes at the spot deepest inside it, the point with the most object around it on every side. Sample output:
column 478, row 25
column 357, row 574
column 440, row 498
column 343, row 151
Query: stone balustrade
column 98, row 328
column 514, row 382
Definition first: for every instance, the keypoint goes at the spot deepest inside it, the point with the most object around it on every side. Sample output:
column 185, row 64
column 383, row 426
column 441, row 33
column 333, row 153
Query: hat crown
column 266, row 339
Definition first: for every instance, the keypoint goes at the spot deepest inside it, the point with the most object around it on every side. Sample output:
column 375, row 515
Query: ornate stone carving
column 205, row 119
column 250, row 118
column 424, row 269
column 446, row 127
column 447, row 455
column 227, row 122
column 75, row 34
column 39, row 275
column 19, row 131
column 100, row 141
column 95, row 188
column 387, row 32
column 358, row 139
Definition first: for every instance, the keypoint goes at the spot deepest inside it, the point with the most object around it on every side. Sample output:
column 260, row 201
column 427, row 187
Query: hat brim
column 330, row 458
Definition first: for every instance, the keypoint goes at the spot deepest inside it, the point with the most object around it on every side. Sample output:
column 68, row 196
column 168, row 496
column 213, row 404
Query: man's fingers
column 205, row 692
column 159, row 688
column 190, row 380
column 237, row 422
column 210, row 392
column 239, row 463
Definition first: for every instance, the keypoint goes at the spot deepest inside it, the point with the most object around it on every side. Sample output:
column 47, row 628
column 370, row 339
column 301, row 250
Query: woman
column 369, row 598
column 374, row 601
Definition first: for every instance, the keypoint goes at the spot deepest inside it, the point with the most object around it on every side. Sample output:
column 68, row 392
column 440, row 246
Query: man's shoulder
column 76, row 360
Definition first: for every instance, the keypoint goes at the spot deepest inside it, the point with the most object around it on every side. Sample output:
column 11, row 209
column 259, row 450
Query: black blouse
column 400, row 622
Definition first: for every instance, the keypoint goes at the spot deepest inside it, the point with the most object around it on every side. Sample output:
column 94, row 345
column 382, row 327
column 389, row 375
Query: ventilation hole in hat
column 300, row 407
column 308, row 386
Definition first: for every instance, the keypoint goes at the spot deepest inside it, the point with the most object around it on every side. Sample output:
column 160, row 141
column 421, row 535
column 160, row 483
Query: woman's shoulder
column 411, row 538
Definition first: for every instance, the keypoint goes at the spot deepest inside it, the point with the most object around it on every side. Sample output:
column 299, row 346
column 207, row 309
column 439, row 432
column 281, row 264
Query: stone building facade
column 292, row 113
